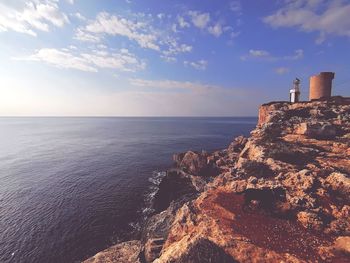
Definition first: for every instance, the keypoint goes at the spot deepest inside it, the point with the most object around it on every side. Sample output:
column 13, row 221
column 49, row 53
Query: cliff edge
column 281, row 195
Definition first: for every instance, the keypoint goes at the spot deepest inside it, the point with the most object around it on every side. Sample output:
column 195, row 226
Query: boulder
column 340, row 184
column 204, row 251
column 247, row 168
column 310, row 220
column 317, row 130
column 342, row 244
column 237, row 145
column 195, row 163
column 127, row 252
column 340, row 226
column 303, row 180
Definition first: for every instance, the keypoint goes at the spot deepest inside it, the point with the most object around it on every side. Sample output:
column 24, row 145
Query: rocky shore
column 281, row 195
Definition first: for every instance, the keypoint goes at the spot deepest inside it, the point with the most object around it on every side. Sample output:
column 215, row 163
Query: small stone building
column 321, row 85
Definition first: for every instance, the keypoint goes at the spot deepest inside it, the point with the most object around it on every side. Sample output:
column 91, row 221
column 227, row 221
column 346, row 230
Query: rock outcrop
column 127, row 252
column 281, row 195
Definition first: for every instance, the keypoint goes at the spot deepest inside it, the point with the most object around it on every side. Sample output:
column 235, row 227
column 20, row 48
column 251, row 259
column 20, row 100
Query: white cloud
column 236, row 7
column 298, row 54
column 173, row 85
column 282, row 70
column 204, row 22
column 33, row 15
column 234, row 34
column 200, row 20
column 325, row 17
column 79, row 16
column 258, row 53
column 60, row 59
column 138, row 28
column 169, row 59
column 71, row 2
column 216, row 30
column 140, row 32
column 85, row 36
column 174, row 48
column 182, row 22
column 199, row 65
column 161, row 16
column 90, row 62
column 265, row 55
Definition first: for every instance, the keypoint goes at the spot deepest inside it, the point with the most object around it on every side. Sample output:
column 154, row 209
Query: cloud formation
column 139, row 29
column 200, row 20
column 35, row 15
column 267, row 56
column 236, row 7
column 172, row 85
column 89, row 62
column 199, row 65
column 325, row 17
column 114, row 25
column 282, row 70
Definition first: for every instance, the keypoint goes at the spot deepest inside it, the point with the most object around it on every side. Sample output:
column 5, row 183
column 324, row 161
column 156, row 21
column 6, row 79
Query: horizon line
column 107, row 116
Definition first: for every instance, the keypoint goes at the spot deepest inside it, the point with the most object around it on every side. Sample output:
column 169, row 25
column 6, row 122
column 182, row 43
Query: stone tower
column 321, row 85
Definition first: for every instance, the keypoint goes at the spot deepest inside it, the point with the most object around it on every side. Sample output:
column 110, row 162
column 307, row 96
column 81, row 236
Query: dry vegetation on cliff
column 281, row 195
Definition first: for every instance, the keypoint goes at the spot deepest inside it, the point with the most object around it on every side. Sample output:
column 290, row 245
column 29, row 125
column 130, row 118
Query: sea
column 71, row 187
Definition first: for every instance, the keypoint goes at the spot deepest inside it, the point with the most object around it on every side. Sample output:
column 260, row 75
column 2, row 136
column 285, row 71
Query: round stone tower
column 321, row 85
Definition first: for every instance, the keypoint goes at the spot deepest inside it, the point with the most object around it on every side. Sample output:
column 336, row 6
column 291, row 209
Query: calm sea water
column 70, row 187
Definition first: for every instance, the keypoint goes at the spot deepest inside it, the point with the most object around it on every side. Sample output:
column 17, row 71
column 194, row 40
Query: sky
column 166, row 57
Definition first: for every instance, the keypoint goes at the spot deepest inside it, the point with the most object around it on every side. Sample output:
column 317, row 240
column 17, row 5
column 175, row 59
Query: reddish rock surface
column 281, row 195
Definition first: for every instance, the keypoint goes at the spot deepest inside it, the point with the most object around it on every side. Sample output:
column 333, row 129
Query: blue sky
column 165, row 58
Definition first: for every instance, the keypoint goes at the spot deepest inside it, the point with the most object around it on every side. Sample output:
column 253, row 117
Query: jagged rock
column 194, row 163
column 342, row 244
column 293, row 176
column 338, row 251
column 253, row 150
column 303, row 180
column 237, row 145
column 310, row 220
column 317, row 130
column 238, row 186
column 127, row 252
column 157, row 228
column 204, row 251
column 159, row 224
column 275, row 157
column 152, row 249
column 339, row 183
column 248, row 168
column 340, row 226
column 176, row 186
column 178, row 157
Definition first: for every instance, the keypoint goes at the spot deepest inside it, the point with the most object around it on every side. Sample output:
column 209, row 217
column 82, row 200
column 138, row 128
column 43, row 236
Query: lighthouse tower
column 295, row 91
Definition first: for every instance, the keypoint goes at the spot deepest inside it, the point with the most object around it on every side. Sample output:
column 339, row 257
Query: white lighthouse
column 295, row 91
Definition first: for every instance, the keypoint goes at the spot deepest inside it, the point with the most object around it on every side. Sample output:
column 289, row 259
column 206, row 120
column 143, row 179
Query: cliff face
column 282, row 195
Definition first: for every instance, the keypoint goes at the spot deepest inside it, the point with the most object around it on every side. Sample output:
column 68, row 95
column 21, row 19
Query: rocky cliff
column 281, row 195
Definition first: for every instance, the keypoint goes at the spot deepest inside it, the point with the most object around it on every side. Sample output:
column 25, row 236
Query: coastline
column 291, row 173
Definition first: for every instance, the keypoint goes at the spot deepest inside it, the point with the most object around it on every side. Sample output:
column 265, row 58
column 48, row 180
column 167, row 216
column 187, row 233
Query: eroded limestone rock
column 127, row 252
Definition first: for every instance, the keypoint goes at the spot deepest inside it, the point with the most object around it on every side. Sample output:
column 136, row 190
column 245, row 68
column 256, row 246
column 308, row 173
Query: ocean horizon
column 77, row 185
